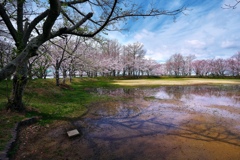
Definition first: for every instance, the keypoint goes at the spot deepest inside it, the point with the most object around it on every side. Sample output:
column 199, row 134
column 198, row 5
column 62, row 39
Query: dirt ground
column 52, row 143
column 199, row 124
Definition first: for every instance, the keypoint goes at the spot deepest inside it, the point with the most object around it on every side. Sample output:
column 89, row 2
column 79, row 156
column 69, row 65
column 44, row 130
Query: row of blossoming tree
column 105, row 58
column 179, row 65
column 71, row 56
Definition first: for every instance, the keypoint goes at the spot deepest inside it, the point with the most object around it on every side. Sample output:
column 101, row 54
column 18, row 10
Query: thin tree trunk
column 114, row 73
column 57, row 73
column 70, row 76
column 57, row 76
column 64, row 76
column 124, row 72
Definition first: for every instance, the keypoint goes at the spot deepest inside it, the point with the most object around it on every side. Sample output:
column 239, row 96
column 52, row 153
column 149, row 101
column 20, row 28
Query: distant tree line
column 179, row 65
column 73, row 56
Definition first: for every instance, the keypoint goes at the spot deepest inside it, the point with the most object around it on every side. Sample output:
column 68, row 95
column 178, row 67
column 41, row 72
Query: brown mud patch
column 200, row 123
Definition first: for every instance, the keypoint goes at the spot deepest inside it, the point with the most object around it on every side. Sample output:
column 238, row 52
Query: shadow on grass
column 45, row 118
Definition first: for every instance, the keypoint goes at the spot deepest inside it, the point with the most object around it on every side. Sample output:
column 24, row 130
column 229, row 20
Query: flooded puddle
column 177, row 122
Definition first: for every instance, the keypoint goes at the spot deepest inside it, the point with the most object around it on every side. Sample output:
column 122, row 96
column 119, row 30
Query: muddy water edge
column 171, row 122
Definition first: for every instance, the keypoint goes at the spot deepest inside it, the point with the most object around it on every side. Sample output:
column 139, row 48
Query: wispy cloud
column 208, row 31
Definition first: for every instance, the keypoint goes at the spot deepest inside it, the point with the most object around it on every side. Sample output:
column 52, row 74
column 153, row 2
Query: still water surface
column 174, row 122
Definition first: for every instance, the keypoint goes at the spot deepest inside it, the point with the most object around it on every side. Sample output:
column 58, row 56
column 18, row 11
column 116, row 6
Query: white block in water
column 73, row 133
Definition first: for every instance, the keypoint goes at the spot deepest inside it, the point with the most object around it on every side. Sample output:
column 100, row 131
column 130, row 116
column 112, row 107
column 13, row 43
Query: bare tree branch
column 229, row 6
column 20, row 17
column 10, row 68
column 8, row 23
column 66, row 16
column 151, row 13
column 54, row 12
column 83, row 14
column 33, row 25
column 113, row 16
column 74, row 2
column 70, row 30
column 107, row 20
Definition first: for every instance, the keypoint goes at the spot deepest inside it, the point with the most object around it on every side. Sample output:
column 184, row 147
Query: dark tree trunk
column 57, row 73
column 70, row 76
column 57, row 76
column 45, row 73
column 64, row 76
column 15, row 102
column 114, row 73
column 124, row 72
column 88, row 73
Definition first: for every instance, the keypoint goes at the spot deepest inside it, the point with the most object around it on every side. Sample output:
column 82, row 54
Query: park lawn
column 176, row 81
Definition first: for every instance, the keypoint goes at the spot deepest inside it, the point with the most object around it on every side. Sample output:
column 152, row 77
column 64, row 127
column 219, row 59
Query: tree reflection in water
column 173, row 121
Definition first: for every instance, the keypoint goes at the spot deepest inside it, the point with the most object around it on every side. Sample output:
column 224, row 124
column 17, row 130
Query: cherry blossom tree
column 112, row 52
column 132, row 55
column 38, row 65
column 188, row 60
column 232, row 66
column 151, row 67
column 29, row 24
column 63, row 51
column 175, row 64
column 218, row 67
column 58, row 56
column 237, row 58
column 201, row 67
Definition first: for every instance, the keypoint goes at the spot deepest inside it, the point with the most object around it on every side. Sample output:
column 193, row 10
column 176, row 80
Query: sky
column 206, row 30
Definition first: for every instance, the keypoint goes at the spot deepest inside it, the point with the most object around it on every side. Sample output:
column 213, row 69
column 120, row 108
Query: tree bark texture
column 20, row 79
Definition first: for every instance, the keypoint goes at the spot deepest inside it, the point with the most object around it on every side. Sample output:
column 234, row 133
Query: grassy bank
column 68, row 102
column 49, row 102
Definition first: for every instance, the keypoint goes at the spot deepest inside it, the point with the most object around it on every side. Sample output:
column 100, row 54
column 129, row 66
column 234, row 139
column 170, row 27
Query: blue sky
column 207, row 30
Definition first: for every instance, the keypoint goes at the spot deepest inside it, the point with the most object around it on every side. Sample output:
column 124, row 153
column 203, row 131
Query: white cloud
column 196, row 44
column 122, row 38
column 143, row 35
column 230, row 44
column 207, row 32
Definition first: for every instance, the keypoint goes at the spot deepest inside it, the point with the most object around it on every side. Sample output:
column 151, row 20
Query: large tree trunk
column 26, row 48
column 20, row 79
column 19, row 66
